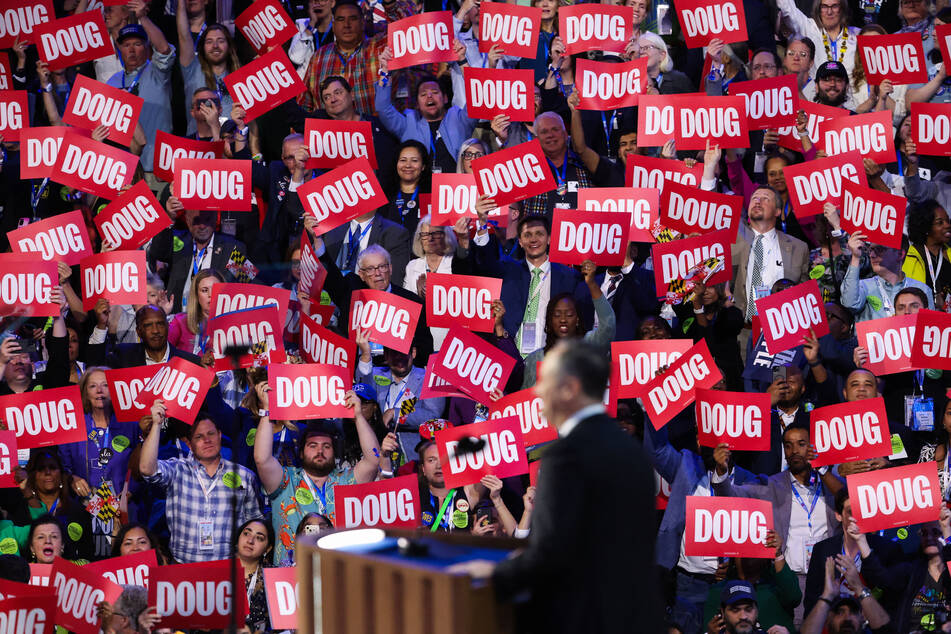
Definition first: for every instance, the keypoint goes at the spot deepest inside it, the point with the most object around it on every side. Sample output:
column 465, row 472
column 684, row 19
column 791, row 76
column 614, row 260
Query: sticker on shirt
column 120, row 443
column 231, row 480
column 460, row 519
column 303, row 496
column 874, row 302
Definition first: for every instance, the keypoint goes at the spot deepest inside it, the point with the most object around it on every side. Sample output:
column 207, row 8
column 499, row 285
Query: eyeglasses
column 375, row 269
column 800, row 55
column 763, row 67
column 643, row 49
column 431, row 235
column 472, row 155
column 829, row 8
column 877, row 250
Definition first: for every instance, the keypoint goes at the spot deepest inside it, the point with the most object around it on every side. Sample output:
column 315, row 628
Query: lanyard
column 135, row 82
column 253, row 582
column 200, row 255
column 323, row 37
column 399, row 202
column 354, row 241
column 608, row 128
column 812, row 507
column 37, row 193
column 901, row 172
column 886, row 301
column 399, row 395
column 204, row 27
column 280, row 442
column 560, row 175
column 561, row 84
column 931, row 269
column 53, row 507
column 207, row 492
column 442, row 510
column 320, row 493
column 785, row 214
column 345, row 61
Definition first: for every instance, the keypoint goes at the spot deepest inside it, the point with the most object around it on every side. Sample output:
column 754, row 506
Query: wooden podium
column 375, row 589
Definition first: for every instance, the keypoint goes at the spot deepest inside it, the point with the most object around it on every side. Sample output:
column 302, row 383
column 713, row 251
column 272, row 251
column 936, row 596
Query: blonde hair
column 667, row 64
column 450, row 240
column 194, row 313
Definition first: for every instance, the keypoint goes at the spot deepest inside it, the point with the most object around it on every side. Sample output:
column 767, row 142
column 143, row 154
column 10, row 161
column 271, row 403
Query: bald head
column 860, row 384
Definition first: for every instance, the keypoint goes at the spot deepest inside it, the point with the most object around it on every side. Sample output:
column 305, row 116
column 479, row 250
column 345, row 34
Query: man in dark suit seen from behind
column 589, row 559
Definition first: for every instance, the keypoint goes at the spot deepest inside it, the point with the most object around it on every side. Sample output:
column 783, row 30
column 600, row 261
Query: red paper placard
column 787, row 316
column 60, row 238
column 771, row 103
column 39, row 149
column 815, row 115
column 813, row 183
column 312, row 272
column 206, row 579
column 308, row 391
column 705, row 20
column 78, row 595
column 44, row 418
column 132, row 219
column 666, row 395
column 257, row 328
column 8, row 459
column 265, row 83
column 390, row 320
column 850, row 431
column 232, row 296
column 899, row 57
column 502, row 455
column 14, row 589
column 213, row 184
column 739, row 419
column 14, row 114
column 425, row 38
column 635, row 363
column 21, row 19
column 692, row 210
column 25, row 286
column 342, row 194
column 728, row 527
column 132, row 569
column 118, row 276
column 334, row 143
column 473, row 365
column 642, row 203
column 692, row 121
column 461, row 300
column 942, row 34
column 495, row 91
column 526, row 406
column 880, row 216
column 169, row 148
column 455, row 197
column 606, row 85
column 514, row 174
column 40, row 576
column 319, row 345
column 672, row 260
column 393, row 503
column 932, row 342
column 93, row 167
column 651, row 172
column 871, row 134
column 513, row 27
column 6, row 78
column 93, row 103
column 601, row 237
column 42, row 618
column 125, row 385
column 931, row 128
column 73, row 40
column 595, row 27
column 435, row 387
column 182, row 385
column 265, row 24
column 280, row 586
column 889, row 343
column 897, row 496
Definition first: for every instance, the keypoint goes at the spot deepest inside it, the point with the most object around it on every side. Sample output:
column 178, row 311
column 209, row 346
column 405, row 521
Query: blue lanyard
column 815, row 498
column 345, row 61
column 444, row 521
column 562, row 175
column 200, row 255
column 561, row 84
column 901, row 172
column 399, row 201
column 204, row 27
column 608, row 128
column 386, row 402
column 785, row 214
column 135, row 82
column 323, row 37
column 321, row 493
column 353, row 242
column 55, row 504
column 660, row 78
column 37, row 193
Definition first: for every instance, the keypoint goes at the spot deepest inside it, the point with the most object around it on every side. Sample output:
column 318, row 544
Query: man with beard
column 739, row 613
column 296, row 491
column 803, row 500
column 205, row 63
column 832, row 83
column 836, row 614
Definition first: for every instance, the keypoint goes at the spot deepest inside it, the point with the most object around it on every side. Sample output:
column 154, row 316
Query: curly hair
column 920, row 220
column 550, row 337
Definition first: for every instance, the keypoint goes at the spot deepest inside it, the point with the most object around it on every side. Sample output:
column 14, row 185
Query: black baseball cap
column 737, row 591
column 831, row 69
column 132, row 30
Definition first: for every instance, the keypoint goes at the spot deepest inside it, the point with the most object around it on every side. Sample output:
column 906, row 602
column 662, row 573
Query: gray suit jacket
column 795, row 254
column 389, row 235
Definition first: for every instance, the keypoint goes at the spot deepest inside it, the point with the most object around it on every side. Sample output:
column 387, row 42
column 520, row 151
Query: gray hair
column 131, row 603
column 548, row 114
column 667, row 64
column 451, row 242
column 373, row 249
column 153, row 280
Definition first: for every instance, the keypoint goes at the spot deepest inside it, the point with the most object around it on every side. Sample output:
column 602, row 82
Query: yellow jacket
column 915, row 267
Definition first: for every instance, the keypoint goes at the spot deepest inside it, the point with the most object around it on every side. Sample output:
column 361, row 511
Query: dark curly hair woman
column 929, row 258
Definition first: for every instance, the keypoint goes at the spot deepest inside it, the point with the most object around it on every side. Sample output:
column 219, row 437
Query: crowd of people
column 163, row 474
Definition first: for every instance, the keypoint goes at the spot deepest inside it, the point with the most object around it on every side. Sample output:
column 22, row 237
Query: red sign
column 73, row 40
column 641, row 203
column 880, row 216
column 606, row 86
column 931, row 128
column 635, row 363
column 132, row 219
column 93, row 103
column 526, row 406
column 125, row 385
column 312, row 273
column 435, row 387
column 514, row 174
column 870, row 134
column 494, row 91
column 706, row 20
column 674, row 259
column 390, row 320
column 39, row 149
column 182, row 385
column 213, row 184
column 425, row 38
column 280, row 586
column 728, row 527
column 25, row 286
column 46, row 417
column 14, row 114
column 666, row 395
column 19, row 19
column 257, row 329
column 850, row 431
column 232, row 296
column 129, row 570
column 889, row 343
column 473, row 365
column 461, row 300
column 513, row 27
column 334, row 143
column 456, row 196
column 595, row 27
column 342, row 194
column 502, row 453
column 788, row 316
column 393, row 503
column 319, row 345
column 40, row 575
column 118, row 276
column 169, row 148
column 771, row 103
column 692, row 121
column 78, row 594
column 897, row 496
column 308, row 391
column 899, row 58
column 651, row 172
column 265, row 83
column 93, row 167
column 14, row 589
column 691, row 210
column 942, row 34
column 739, row 419
column 813, row 183
column 33, row 614
column 932, row 342
column 196, row 596
column 582, row 235
column 8, row 459
column 6, row 79
column 266, row 25
column 61, row 238
column 815, row 114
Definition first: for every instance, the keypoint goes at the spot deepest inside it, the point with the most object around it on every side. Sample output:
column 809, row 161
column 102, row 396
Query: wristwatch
column 264, row 412
column 864, row 594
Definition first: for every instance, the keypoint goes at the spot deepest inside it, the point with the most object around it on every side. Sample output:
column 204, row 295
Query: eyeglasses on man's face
column 379, row 268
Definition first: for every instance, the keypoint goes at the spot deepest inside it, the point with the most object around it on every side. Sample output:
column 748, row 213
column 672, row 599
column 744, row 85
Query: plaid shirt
column 185, row 482
column 544, row 204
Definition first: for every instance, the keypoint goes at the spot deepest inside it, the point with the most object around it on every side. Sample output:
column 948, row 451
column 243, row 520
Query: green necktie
column 531, row 310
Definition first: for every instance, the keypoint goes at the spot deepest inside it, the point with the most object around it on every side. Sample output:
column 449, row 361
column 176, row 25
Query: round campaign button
column 232, row 480
column 427, row 518
column 875, row 302
column 460, row 519
column 8, row 546
column 249, row 440
column 75, row 531
column 120, row 443
column 303, row 496
column 817, row 271
column 462, row 505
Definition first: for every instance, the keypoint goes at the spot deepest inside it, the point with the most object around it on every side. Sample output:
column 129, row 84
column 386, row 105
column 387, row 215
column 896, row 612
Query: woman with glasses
column 663, row 79
column 800, row 54
column 413, row 178
column 828, row 28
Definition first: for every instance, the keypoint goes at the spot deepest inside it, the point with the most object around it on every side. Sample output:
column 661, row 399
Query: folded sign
column 897, row 496
column 125, row 386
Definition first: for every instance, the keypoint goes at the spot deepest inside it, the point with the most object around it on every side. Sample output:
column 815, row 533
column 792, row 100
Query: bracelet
column 698, row 311
column 386, row 474
column 829, row 601
column 864, row 594
column 817, row 363
column 264, row 412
